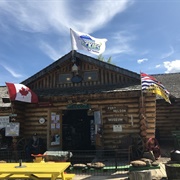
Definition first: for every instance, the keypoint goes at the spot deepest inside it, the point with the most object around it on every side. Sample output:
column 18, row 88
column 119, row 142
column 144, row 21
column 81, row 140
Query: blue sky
column 143, row 35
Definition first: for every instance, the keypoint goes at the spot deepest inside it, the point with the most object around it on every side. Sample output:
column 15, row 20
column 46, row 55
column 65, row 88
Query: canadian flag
column 20, row 92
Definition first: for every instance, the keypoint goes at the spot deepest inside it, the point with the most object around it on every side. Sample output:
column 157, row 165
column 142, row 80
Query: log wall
column 131, row 101
column 126, row 115
column 168, row 119
column 32, row 125
column 161, row 116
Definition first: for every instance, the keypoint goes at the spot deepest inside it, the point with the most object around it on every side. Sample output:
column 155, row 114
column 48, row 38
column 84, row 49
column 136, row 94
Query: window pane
column 65, row 78
column 91, row 76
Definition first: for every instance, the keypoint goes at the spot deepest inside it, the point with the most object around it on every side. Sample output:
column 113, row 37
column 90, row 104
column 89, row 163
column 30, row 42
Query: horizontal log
column 150, row 131
column 129, row 131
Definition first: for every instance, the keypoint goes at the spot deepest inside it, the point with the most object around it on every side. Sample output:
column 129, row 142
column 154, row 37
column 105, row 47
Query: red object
column 38, row 155
column 20, row 92
column 153, row 145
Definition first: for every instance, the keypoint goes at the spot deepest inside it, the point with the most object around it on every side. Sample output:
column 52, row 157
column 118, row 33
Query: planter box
column 57, row 156
column 173, row 170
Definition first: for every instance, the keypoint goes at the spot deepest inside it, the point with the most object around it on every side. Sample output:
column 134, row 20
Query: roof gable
column 87, row 59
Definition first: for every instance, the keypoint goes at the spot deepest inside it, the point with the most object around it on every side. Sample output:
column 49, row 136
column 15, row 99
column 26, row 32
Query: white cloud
column 158, row 66
column 144, row 52
column 122, row 48
column 139, row 61
column 54, row 54
column 12, row 72
column 172, row 66
column 57, row 17
column 45, row 16
column 100, row 12
column 168, row 53
column 121, row 43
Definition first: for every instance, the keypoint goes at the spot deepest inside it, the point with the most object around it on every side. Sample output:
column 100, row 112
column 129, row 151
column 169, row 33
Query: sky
column 142, row 35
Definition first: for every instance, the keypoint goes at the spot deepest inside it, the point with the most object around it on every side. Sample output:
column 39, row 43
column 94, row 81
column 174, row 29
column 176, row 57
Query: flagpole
column 142, row 116
column 10, row 100
column 142, row 101
column 73, row 51
column 71, row 41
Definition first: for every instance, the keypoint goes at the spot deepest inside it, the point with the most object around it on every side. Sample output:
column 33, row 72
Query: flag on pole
column 83, row 41
column 151, row 84
column 20, row 92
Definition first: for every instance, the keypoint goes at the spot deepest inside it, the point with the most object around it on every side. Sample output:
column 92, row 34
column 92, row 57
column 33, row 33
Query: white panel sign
column 97, row 117
column 117, row 128
column 12, row 129
column 4, row 120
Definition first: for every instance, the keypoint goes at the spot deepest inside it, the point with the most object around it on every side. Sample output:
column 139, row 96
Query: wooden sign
column 118, row 119
column 116, row 109
column 78, row 106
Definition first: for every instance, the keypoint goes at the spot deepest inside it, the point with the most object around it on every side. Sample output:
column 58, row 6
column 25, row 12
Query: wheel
column 21, row 144
column 137, row 146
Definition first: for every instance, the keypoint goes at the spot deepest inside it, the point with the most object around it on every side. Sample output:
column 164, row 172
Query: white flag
column 82, row 41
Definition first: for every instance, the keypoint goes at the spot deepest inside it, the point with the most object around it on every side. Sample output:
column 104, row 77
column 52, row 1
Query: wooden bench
column 39, row 176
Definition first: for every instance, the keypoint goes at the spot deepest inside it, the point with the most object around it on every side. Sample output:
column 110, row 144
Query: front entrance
column 76, row 130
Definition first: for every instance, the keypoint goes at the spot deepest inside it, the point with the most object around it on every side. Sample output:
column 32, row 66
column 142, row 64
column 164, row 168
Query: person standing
column 33, row 146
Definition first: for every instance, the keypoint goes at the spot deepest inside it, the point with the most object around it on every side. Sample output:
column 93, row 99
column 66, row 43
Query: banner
column 83, row 41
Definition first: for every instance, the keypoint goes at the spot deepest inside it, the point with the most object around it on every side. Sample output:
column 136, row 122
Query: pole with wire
column 143, row 121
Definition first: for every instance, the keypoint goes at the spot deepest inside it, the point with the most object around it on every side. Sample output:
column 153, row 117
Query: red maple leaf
column 23, row 91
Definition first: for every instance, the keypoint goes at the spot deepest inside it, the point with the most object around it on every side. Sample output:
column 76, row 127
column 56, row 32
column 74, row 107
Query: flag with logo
column 83, row 41
column 20, row 92
column 151, row 84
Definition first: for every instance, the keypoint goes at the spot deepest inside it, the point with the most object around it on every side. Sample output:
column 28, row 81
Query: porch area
column 107, row 165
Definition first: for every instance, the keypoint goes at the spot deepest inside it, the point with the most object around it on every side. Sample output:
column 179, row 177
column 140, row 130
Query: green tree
column 109, row 60
column 101, row 58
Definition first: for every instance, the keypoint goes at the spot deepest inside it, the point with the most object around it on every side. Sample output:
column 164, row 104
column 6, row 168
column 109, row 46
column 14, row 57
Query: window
column 91, row 76
column 65, row 78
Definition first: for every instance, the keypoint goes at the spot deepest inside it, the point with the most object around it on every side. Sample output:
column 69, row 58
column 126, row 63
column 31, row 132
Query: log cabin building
column 168, row 115
column 80, row 95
